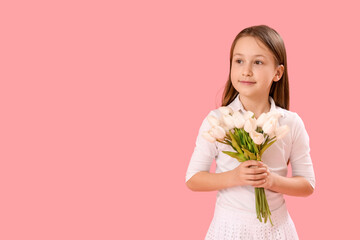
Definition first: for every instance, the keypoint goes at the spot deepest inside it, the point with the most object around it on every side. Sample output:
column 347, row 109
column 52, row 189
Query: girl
column 257, row 82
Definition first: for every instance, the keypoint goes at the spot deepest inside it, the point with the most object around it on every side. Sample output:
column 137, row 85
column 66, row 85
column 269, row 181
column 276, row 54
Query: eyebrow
column 257, row 55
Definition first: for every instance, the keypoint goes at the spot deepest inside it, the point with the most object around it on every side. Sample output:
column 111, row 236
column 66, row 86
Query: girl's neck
column 256, row 105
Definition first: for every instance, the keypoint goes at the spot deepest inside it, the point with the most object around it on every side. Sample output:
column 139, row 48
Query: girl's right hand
column 250, row 172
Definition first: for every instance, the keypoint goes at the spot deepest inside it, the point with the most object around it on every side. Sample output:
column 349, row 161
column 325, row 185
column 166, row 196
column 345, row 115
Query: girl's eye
column 256, row 62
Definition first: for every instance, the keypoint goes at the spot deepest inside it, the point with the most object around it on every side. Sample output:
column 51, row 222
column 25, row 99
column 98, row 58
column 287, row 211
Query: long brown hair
column 279, row 90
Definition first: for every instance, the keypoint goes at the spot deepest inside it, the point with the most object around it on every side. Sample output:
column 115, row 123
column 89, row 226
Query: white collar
column 237, row 105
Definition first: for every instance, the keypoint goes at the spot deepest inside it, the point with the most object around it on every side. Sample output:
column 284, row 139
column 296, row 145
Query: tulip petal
column 218, row 132
column 225, row 110
column 214, row 121
column 208, row 137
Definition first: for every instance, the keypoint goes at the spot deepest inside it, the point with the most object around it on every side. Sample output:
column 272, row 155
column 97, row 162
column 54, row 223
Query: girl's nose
column 247, row 70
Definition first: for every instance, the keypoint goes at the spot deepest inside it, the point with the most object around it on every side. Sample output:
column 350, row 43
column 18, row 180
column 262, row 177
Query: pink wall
column 101, row 103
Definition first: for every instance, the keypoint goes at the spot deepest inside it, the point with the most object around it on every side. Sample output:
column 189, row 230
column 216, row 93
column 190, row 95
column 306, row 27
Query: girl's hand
column 268, row 180
column 251, row 172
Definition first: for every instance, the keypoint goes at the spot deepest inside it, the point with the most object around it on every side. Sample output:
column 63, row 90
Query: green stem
column 262, row 206
column 257, row 204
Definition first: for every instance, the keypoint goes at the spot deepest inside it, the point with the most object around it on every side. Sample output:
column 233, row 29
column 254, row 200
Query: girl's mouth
column 247, row 82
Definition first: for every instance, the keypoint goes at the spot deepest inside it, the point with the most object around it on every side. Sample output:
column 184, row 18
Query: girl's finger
column 252, row 171
column 256, row 177
column 252, row 163
column 258, row 183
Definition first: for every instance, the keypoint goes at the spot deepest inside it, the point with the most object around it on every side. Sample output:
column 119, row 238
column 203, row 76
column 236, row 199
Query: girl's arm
column 301, row 165
column 244, row 174
column 292, row 186
column 206, row 181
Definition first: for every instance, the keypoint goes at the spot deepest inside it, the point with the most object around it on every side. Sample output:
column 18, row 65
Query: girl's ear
column 279, row 72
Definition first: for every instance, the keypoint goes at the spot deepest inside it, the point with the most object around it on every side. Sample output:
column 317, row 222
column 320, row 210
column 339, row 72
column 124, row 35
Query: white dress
column 235, row 211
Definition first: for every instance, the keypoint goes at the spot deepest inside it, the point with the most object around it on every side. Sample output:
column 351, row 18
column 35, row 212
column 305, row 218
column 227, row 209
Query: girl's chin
column 248, row 94
column 245, row 90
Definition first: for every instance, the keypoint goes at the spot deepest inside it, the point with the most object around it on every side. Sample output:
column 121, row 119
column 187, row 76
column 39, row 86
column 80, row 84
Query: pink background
column 101, row 103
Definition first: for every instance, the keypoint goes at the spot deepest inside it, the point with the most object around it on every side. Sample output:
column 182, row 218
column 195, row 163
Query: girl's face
column 253, row 68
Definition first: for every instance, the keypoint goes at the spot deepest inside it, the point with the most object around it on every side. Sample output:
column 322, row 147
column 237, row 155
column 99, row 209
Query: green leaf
column 265, row 142
column 255, row 147
column 234, row 142
column 220, row 141
column 244, row 135
column 266, row 147
column 229, row 143
column 236, row 155
column 249, row 142
column 246, row 155
column 250, row 154
column 233, row 147
column 250, row 147
column 240, row 135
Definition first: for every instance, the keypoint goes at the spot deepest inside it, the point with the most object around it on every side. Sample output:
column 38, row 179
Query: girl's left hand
column 269, row 179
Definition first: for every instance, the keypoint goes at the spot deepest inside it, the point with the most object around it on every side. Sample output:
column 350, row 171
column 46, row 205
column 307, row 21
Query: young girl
column 258, row 82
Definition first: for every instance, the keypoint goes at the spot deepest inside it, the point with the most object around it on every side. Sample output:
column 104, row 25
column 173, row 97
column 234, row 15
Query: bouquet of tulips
column 249, row 137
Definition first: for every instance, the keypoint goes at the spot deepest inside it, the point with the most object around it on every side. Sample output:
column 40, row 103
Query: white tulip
column 214, row 121
column 218, row 132
column 228, row 121
column 275, row 114
column 248, row 114
column 224, row 127
column 258, row 138
column 226, row 110
column 270, row 126
column 208, row 136
column 239, row 120
column 250, row 125
column 282, row 131
column 262, row 119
